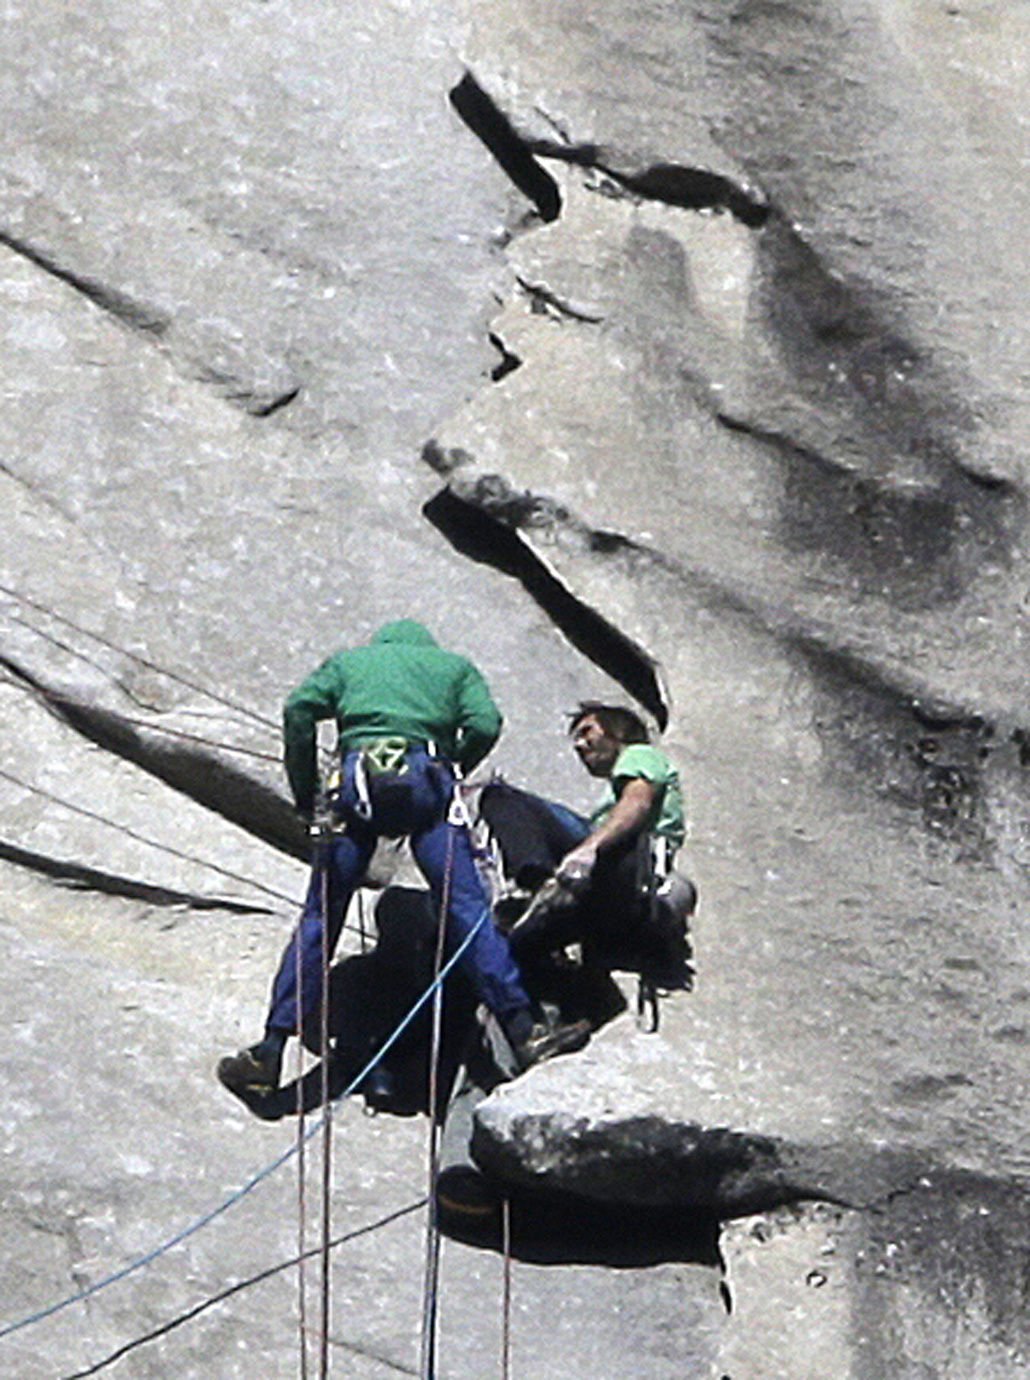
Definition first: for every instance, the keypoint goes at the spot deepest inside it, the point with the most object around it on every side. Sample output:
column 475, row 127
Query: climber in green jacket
column 400, row 685
column 408, row 714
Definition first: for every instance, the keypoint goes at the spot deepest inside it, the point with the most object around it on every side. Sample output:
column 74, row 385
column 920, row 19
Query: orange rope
column 506, row 1295
column 427, row 1368
column 327, row 1120
column 302, row 1208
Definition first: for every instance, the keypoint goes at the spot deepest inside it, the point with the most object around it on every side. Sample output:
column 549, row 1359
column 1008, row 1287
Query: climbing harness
column 385, row 757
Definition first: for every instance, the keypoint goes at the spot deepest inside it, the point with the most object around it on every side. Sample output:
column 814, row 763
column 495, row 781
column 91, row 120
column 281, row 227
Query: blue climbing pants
column 443, row 851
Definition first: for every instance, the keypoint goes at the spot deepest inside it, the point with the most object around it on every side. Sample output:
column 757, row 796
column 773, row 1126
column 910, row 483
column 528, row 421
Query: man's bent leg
column 253, row 1073
column 533, row 834
column 349, row 856
column 444, row 853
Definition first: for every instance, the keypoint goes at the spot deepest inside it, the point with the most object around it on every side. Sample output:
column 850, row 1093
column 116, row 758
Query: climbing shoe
column 268, row 1106
column 462, row 1190
column 552, row 901
column 546, row 1041
column 254, row 1071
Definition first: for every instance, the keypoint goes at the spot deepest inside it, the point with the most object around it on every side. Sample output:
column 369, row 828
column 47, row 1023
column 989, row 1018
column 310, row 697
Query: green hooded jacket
column 401, row 684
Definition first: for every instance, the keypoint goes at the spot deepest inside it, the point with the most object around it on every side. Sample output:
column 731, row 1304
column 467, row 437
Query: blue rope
column 262, row 1174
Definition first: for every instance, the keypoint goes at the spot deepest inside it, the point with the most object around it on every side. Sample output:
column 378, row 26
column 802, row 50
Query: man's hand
column 627, row 818
column 576, row 867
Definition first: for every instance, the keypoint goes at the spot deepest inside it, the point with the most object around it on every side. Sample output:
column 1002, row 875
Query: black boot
column 545, row 1041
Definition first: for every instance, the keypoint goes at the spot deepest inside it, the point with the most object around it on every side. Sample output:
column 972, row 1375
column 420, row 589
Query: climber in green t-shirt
column 605, row 881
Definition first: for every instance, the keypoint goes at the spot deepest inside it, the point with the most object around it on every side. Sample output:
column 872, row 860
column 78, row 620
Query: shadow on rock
column 372, row 994
column 565, row 1229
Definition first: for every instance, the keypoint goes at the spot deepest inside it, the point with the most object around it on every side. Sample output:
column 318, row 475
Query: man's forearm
column 627, row 818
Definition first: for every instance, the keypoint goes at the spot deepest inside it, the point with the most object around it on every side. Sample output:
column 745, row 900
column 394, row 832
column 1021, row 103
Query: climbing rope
column 135, row 656
column 141, row 1262
column 327, row 1121
column 44, row 693
column 238, row 1288
column 161, row 847
column 427, row 1362
column 141, row 838
column 302, row 1213
column 506, row 1290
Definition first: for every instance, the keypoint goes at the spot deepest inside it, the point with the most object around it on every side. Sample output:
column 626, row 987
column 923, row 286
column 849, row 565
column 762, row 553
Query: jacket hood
column 405, row 630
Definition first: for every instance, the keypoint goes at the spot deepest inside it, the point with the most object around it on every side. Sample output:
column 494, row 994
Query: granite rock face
column 708, row 325
column 767, row 420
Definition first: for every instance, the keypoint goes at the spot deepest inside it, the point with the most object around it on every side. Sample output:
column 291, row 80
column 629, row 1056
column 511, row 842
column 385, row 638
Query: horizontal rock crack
column 138, row 316
column 188, row 767
column 81, row 877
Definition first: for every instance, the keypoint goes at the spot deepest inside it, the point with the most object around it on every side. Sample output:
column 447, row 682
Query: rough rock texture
column 877, row 1293
column 716, row 365
column 777, row 438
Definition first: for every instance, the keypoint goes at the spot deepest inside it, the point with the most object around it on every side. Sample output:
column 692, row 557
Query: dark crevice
column 189, row 768
column 555, row 1228
column 251, row 398
column 508, row 363
column 82, row 878
column 493, row 128
column 118, row 304
column 692, row 189
column 778, row 441
column 490, row 541
column 266, row 409
column 543, row 298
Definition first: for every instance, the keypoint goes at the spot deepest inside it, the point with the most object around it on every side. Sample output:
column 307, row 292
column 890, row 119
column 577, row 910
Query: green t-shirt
column 641, row 760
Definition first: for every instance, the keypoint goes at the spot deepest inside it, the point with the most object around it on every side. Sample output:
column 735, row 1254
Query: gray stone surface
column 819, row 1291
column 760, row 464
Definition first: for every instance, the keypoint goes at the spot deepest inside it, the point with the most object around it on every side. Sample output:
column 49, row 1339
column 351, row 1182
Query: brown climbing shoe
column 545, row 1042
column 254, row 1072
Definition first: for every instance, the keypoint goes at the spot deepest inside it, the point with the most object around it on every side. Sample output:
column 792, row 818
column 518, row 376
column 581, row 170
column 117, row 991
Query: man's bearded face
column 595, row 748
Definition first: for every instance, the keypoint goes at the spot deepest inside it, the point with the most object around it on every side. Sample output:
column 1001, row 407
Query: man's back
column 400, row 684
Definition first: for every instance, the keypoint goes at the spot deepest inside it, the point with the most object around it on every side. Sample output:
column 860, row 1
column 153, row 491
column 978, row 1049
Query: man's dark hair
column 616, row 721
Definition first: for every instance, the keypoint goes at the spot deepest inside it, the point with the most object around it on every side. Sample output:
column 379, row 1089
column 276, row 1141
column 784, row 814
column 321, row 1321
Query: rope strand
column 327, row 1123
column 432, row 1272
column 506, row 1290
column 55, row 697
column 302, row 1209
column 135, row 656
column 141, row 1262
column 238, row 1288
column 142, row 838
